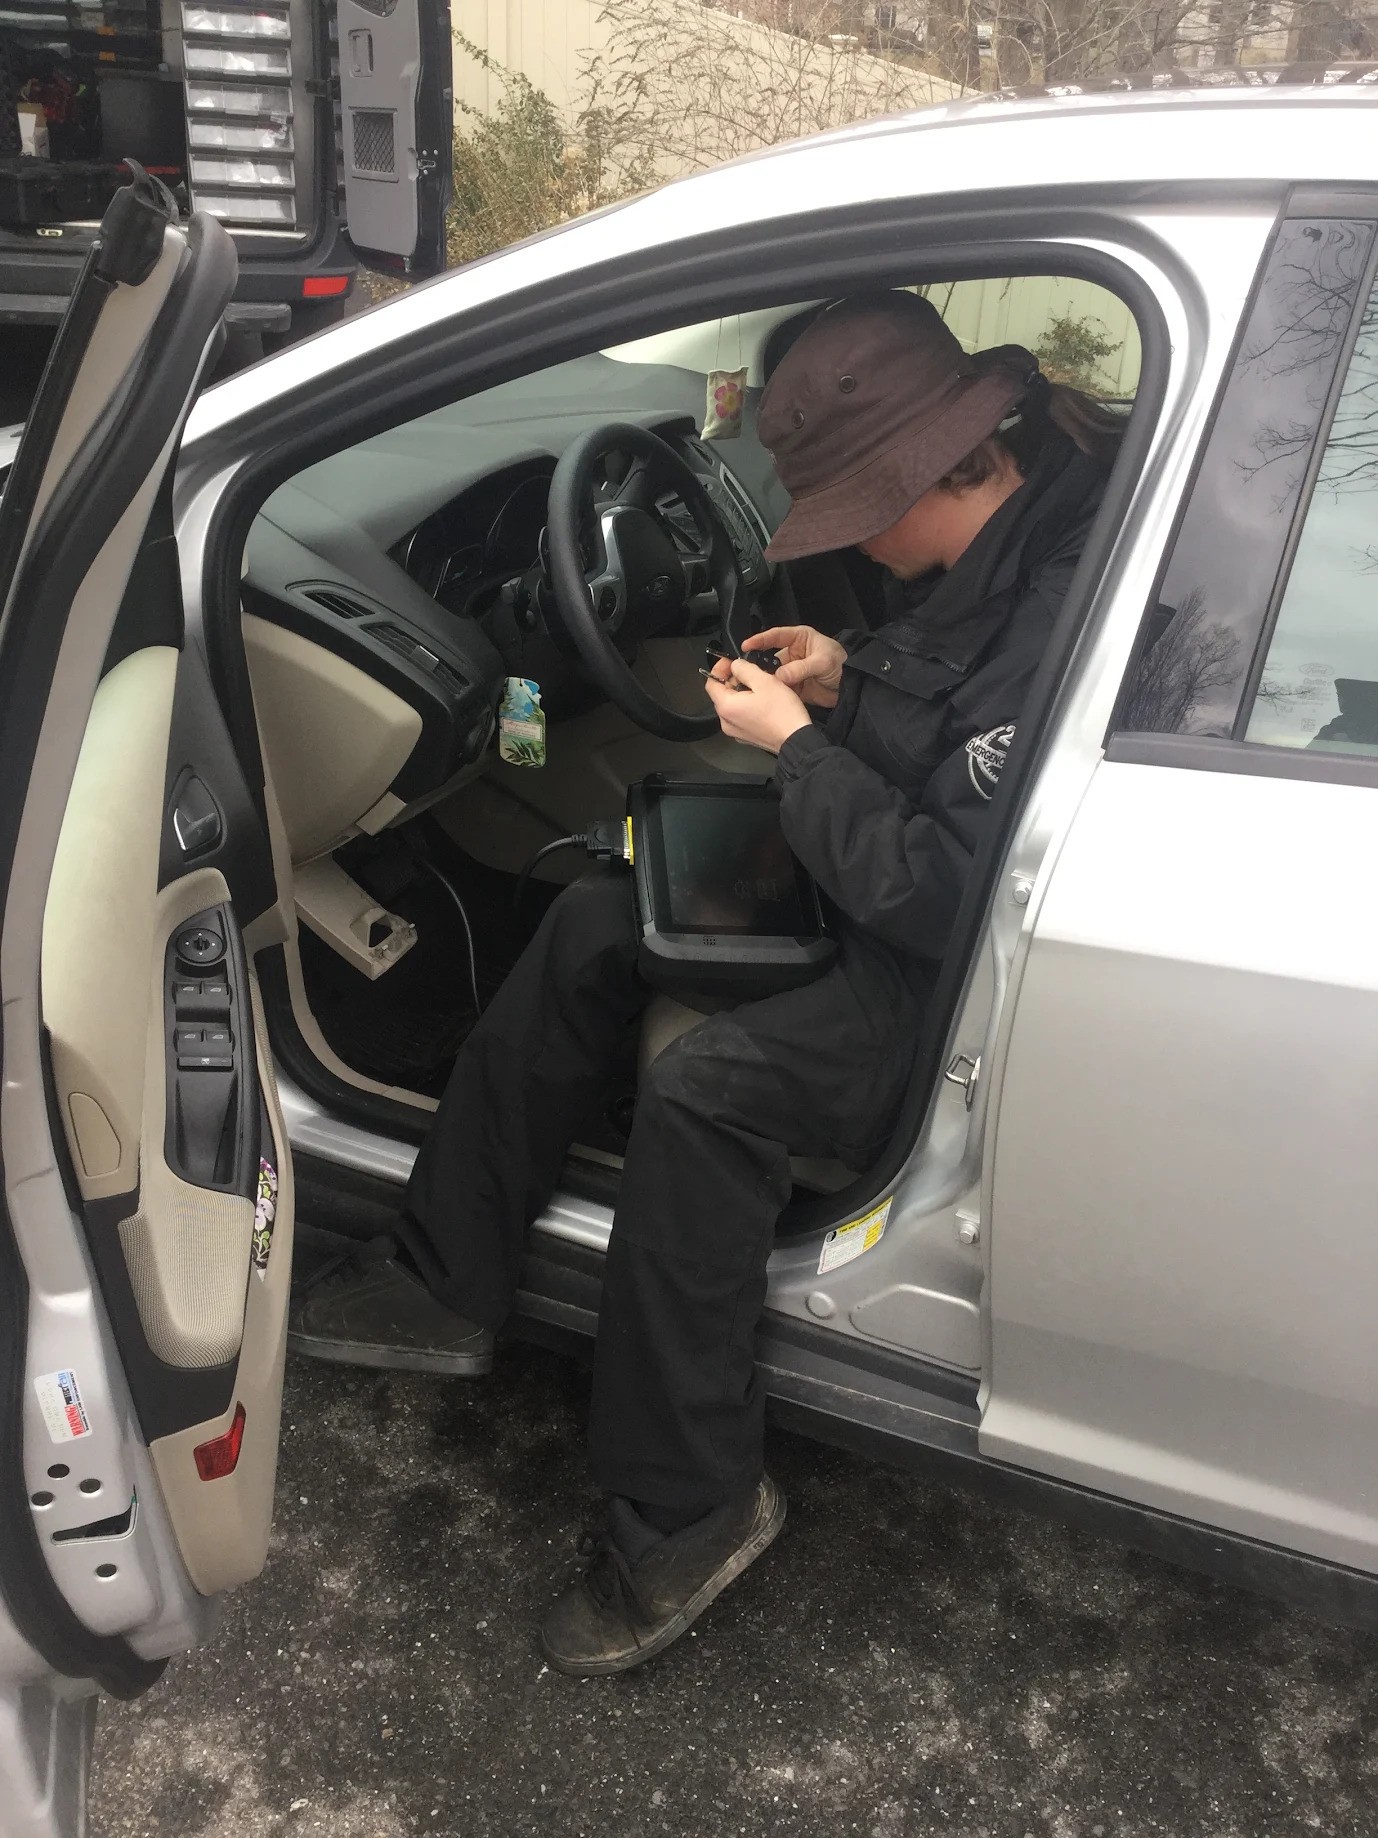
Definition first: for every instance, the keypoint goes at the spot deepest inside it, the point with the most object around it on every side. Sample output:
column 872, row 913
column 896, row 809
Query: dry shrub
column 683, row 85
column 520, row 170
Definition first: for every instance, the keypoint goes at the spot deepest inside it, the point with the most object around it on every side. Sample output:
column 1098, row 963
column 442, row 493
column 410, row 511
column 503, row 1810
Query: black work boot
column 366, row 1309
column 644, row 1588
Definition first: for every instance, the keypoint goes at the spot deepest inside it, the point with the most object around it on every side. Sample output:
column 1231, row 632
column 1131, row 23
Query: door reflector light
column 219, row 1457
column 324, row 286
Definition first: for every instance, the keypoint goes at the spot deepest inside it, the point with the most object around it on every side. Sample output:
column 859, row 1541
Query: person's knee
column 591, row 917
column 693, row 1072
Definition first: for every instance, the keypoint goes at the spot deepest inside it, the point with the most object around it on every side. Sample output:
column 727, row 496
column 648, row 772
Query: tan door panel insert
column 98, row 924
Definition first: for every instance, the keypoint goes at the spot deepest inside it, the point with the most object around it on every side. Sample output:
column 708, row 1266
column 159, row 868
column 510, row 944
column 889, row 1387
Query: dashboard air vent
column 335, row 600
column 416, row 653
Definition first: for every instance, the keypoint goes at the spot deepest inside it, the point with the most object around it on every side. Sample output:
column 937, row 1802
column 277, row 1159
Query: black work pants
column 677, row 1413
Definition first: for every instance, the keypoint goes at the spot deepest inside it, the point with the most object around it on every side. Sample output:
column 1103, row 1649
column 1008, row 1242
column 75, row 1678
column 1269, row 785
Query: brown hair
column 1092, row 424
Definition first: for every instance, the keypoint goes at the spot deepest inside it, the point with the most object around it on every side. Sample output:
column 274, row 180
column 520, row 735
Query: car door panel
column 105, row 1567
column 184, row 1261
column 1185, row 1161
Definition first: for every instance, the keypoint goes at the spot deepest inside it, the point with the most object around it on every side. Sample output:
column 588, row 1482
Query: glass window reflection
column 1219, row 583
column 1319, row 686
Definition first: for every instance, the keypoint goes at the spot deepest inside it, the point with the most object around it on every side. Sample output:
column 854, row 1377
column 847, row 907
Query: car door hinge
column 967, row 1079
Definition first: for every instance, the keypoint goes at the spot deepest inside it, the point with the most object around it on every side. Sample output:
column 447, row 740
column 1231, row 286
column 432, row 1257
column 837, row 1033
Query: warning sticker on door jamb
column 59, row 1398
column 849, row 1241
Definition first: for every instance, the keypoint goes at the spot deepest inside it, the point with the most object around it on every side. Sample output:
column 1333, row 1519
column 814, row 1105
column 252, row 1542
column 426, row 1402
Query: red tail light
column 218, row 1457
column 324, row 286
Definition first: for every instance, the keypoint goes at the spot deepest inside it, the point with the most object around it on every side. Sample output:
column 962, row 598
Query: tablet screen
column 728, row 867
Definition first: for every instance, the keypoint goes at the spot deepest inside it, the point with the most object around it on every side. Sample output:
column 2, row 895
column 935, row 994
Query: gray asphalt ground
column 905, row 1661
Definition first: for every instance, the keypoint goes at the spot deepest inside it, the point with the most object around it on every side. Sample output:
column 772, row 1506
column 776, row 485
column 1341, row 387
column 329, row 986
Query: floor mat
column 406, row 1027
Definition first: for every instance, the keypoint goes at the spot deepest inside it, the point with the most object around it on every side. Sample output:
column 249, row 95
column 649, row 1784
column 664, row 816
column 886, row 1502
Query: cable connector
column 609, row 840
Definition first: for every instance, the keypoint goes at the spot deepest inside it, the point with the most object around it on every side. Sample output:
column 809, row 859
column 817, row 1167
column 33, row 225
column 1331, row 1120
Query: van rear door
column 397, row 125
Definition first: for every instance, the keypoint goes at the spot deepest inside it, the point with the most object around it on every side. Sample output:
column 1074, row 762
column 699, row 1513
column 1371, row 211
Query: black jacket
column 883, row 799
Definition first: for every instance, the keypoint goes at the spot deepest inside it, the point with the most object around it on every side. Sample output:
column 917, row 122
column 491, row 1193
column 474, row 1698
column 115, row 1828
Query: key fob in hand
column 764, row 660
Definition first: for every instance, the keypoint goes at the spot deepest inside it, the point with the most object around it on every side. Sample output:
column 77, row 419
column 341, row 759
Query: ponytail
column 1046, row 407
column 1094, row 425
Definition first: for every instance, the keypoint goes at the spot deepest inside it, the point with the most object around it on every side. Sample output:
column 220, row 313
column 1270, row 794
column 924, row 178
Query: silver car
column 1120, row 1261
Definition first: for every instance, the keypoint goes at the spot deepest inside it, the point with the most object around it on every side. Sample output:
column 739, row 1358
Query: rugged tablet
column 723, row 907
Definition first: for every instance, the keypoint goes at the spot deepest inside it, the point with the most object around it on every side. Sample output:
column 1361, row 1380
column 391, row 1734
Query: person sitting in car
column 973, row 482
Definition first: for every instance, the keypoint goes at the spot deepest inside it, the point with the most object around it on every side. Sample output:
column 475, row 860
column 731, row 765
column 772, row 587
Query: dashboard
column 393, row 554
column 482, row 538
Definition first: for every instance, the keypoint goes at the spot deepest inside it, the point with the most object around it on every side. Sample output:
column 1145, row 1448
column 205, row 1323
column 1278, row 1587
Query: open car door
column 397, row 126
column 146, row 1217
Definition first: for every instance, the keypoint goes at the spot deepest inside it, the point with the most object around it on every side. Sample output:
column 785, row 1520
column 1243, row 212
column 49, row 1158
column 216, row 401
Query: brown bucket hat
column 874, row 403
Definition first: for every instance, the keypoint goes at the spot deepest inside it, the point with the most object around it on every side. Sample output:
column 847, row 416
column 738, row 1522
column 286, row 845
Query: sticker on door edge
column 265, row 1215
column 848, row 1241
column 59, row 1398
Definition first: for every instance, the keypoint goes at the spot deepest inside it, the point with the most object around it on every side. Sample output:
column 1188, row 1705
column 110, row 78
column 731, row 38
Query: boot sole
column 740, row 1559
column 391, row 1359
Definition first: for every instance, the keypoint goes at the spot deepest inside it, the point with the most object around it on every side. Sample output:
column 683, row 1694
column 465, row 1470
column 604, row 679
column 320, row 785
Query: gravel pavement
column 905, row 1661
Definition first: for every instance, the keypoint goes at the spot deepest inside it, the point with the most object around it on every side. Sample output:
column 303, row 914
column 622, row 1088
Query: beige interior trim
column 278, row 922
column 334, row 739
column 279, row 926
column 223, row 1526
column 187, row 1250
column 338, row 910
column 99, row 920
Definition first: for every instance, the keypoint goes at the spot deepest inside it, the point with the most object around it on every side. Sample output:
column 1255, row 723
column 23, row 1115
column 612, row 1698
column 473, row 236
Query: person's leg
column 530, row 1075
column 677, row 1412
column 676, row 1425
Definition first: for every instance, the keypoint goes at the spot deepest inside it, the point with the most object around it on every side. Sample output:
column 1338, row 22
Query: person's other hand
column 761, row 710
column 813, row 662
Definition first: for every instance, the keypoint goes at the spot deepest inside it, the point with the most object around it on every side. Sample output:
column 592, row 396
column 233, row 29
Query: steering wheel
column 637, row 571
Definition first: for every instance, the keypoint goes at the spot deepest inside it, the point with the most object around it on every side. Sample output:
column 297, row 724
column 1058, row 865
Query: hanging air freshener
column 521, row 723
column 722, row 418
column 726, row 400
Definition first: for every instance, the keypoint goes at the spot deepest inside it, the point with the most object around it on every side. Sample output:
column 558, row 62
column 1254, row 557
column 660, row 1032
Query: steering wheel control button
column 200, row 947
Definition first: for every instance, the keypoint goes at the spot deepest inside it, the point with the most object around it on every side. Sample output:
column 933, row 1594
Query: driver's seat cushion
column 664, row 1021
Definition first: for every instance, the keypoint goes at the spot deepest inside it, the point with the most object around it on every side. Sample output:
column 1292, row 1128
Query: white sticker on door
column 59, row 1398
column 849, row 1241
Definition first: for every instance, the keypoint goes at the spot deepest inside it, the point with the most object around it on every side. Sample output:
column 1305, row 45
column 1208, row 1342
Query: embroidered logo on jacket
column 986, row 758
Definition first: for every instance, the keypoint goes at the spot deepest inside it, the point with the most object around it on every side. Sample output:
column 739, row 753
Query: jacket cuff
column 799, row 748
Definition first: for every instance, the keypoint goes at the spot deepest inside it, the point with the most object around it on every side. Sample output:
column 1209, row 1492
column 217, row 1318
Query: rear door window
column 1195, row 671
column 1319, row 682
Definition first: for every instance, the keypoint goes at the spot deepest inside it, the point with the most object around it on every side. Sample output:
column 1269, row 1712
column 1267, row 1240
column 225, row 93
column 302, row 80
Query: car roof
column 1222, row 146
column 1160, row 126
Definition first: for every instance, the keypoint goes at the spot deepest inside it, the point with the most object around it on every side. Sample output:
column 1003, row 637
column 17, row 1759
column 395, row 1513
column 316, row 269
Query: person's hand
column 813, row 663
column 761, row 710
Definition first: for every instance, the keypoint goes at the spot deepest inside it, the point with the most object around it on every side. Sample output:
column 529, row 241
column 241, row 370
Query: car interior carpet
column 405, row 1027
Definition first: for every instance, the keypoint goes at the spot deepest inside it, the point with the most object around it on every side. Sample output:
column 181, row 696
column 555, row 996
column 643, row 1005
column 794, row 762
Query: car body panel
column 1183, row 1260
